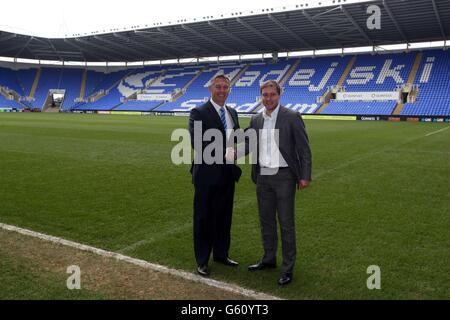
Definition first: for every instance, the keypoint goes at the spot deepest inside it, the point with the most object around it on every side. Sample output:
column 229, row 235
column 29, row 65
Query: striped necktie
column 223, row 118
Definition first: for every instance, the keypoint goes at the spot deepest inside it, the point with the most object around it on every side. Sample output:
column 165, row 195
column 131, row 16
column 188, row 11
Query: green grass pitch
column 380, row 196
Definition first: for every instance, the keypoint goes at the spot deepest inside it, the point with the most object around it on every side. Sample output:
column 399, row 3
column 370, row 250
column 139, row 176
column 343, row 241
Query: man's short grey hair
column 221, row 76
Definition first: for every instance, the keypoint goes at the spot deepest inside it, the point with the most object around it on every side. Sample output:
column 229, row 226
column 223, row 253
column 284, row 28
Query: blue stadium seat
column 433, row 79
column 301, row 91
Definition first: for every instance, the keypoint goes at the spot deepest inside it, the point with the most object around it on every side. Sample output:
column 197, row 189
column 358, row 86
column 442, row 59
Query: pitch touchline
column 437, row 131
column 144, row 264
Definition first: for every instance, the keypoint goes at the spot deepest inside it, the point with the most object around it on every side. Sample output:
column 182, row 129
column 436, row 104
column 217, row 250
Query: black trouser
column 213, row 208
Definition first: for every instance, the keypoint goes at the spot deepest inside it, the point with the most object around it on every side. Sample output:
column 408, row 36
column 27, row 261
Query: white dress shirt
column 269, row 154
column 228, row 120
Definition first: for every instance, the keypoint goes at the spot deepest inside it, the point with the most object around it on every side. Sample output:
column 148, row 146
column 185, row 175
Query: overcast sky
column 58, row 18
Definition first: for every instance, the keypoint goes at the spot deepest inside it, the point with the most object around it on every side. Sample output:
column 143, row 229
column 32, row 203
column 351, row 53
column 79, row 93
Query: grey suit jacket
column 293, row 142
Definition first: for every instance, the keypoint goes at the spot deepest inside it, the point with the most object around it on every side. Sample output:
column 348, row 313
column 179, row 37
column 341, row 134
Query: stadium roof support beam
column 214, row 42
column 44, row 41
column 17, row 46
column 146, row 35
column 108, row 56
column 25, row 46
column 233, row 37
column 137, row 54
column 260, row 34
column 54, row 50
column 81, row 50
column 391, row 15
column 318, row 26
column 42, row 54
column 169, row 34
column 355, row 24
column 325, row 12
column 289, row 31
column 8, row 37
column 84, row 50
column 7, row 49
column 148, row 50
column 438, row 18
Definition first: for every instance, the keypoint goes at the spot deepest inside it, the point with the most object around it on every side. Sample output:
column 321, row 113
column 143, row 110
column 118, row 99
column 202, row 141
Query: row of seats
column 302, row 89
column 9, row 104
column 434, row 86
column 360, row 107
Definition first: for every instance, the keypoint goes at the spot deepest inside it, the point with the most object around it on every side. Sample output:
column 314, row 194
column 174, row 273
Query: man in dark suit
column 213, row 182
column 282, row 162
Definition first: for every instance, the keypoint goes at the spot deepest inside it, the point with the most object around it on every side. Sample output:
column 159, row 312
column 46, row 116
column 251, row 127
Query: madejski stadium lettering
column 302, row 76
column 364, row 74
column 315, row 80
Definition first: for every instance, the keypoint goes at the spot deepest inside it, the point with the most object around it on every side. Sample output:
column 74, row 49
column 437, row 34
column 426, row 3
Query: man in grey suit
column 281, row 165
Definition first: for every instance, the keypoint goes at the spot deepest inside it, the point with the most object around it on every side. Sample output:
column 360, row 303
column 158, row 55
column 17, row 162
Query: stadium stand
column 360, row 107
column 9, row 104
column 310, row 81
column 135, row 105
column 70, row 82
column 433, row 81
column 9, row 80
column 373, row 73
column 93, row 81
column 198, row 90
column 26, row 78
column 310, row 85
column 50, row 79
column 245, row 94
column 106, row 95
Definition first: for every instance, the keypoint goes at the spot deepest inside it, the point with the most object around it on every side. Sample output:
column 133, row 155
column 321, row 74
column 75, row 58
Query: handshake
column 230, row 155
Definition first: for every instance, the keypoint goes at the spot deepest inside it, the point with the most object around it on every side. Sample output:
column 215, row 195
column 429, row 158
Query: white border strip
column 437, row 131
column 144, row 264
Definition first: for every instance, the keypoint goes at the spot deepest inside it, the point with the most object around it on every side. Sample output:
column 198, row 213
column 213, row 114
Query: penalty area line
column 142, row 263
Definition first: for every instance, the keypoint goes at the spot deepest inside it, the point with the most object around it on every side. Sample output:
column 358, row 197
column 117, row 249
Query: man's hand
column 230, row 155
column 302, row 184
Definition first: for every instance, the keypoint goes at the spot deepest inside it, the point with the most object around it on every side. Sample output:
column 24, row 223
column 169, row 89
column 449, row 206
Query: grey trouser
column 276, row 194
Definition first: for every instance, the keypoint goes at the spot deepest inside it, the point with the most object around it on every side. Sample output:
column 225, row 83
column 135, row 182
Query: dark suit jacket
column 212, row 174
column 293, row 142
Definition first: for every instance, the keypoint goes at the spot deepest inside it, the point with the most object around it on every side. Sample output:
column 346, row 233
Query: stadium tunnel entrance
column 54, row 100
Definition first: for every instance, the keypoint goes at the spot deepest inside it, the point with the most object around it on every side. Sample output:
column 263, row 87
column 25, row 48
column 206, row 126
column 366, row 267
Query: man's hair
column 221, row 76
column 271, row 83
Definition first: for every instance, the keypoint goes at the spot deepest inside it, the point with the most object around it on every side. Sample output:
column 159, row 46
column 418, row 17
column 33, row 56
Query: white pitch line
column 160, row 236
column 144, row 264
column 367, row 155
column 437, row 131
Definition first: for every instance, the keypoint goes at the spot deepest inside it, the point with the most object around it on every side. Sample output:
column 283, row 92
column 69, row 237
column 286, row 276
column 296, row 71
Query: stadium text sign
column 154, row 97
column 368, row 96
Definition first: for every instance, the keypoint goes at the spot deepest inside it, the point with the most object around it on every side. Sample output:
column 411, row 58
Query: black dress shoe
column 227, row 262
column 285, row 279
column 261, row 266
column 203, row 270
